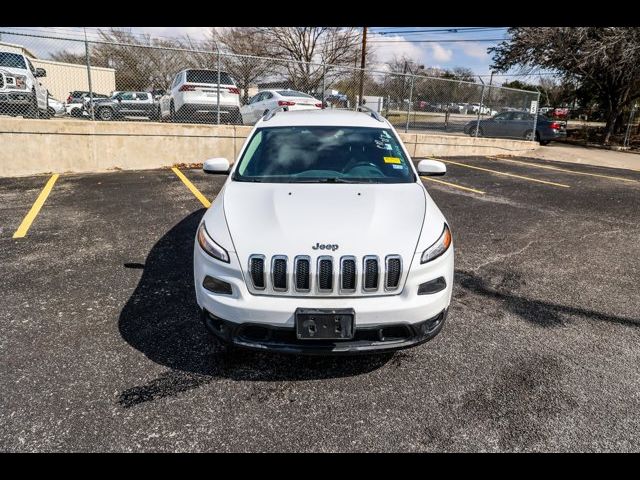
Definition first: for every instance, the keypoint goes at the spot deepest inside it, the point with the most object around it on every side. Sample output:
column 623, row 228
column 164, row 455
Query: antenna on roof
column 269, row 115
column 373, row 113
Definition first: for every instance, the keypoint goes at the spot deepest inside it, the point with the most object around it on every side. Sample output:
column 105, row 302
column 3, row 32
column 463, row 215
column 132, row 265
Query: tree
column 520, row 85
column 304, row 49
column 460, row 73
column 605, row 60
column 244, row 43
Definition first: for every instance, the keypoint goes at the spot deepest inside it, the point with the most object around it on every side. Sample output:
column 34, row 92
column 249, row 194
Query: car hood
column 289, row 219
column 11, row 70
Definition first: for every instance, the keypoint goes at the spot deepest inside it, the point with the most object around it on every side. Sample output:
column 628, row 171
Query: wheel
column 155, row 116
column 544, row 142
column 528, row 135
column 236, row 118
column 172, row 112
column 76, row 112
column 105, row 113
column 45, row 113
column 33, row 111
column 51, row 112
column 472, row 132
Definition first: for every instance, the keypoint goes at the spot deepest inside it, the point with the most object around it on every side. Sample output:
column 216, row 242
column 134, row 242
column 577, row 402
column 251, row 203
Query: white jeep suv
column 323, row 240
column 193, row 96
column 20, row 91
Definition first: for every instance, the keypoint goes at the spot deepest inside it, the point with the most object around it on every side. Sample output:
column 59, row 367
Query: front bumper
column 381, row 338
column 406, row 306
column 18, row 98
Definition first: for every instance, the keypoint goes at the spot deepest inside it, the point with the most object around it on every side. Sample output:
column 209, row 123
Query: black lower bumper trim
column 367, row 339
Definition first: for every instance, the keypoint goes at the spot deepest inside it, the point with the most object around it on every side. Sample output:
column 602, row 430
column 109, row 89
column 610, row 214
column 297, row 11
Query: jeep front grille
column 256, row 270
column 279, row 272
column 371, row 273
column 324, row 275
column 302, row 273
column 393, row 270
column 348, row 274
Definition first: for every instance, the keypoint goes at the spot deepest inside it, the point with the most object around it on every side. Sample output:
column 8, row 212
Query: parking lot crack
column 503, row 256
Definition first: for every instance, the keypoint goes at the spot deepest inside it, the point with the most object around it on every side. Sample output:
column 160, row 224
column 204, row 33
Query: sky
column 429, row 46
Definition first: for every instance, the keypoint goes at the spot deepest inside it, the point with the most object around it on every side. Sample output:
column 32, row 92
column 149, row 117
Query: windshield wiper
column 335, row 180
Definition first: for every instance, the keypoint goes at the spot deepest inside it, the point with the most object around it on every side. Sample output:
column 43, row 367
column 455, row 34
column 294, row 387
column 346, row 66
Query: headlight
column 19, row 82
column 439, row 247
column 211, row 247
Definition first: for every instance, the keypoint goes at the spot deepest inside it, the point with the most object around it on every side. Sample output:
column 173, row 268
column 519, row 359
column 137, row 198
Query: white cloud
column 398, row 46
column 475, row 50
column 440, row 53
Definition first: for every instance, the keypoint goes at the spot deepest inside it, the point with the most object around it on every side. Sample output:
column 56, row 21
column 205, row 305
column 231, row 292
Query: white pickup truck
column 20, row 91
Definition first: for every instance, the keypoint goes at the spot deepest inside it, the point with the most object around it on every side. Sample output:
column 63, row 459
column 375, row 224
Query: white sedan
column 267, row 100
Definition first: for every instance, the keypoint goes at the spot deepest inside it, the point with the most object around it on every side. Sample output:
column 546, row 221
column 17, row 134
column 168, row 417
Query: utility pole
column 86, row 51
column 362, row 64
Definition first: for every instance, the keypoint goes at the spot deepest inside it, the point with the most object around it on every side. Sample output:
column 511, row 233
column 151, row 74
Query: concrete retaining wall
column 433, row 145
column 29, row 147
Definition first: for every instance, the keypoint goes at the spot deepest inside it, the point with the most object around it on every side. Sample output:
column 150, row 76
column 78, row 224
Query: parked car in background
column 266, row 100
column 336, row 101
column 75, row 104
column 56, row 107
column 21, row 93
column 518, row 125
column 125, row 104
column 193, row 95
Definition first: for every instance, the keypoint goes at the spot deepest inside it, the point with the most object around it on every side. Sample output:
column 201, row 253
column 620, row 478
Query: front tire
column 236, row 118
column 33, row 111
column 105, row 114
column 472, row 132
column 172, row 113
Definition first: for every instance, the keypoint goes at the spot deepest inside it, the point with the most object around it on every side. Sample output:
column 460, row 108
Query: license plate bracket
column 325, row 323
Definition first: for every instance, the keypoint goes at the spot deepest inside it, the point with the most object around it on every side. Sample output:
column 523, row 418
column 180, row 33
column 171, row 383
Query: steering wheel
column 348, row 167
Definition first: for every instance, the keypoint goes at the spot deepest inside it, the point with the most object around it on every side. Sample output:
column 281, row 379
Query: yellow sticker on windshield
column 392, row 160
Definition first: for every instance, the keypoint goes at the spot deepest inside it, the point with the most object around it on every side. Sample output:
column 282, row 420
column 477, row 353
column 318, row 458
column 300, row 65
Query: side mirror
column 431, row 168
column 40, row 72
column 216, row 165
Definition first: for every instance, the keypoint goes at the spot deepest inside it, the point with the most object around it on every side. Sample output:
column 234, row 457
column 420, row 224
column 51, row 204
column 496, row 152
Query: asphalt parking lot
column 102, row 348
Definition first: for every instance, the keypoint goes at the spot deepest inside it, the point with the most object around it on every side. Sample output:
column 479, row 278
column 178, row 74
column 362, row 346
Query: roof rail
column 374, row 114
column 269, row 115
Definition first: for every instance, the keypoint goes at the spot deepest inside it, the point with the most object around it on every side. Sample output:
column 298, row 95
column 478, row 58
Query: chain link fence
column 53, row 77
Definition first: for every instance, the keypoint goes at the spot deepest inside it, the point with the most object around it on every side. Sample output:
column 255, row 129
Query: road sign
column 534, row 107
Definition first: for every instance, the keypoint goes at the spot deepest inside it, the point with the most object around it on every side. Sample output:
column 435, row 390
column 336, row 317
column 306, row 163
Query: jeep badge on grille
column 326, row 246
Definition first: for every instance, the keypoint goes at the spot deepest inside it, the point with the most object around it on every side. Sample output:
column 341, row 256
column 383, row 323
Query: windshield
column 11, row 60
column 319, row 154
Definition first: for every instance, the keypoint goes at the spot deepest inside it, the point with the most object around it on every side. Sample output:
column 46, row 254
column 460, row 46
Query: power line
column 440, row 30
column 456, row 40
column 519, row 74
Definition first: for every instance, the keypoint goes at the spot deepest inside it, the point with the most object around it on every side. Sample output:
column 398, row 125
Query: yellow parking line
column 192, row 187
column 507, row 174
column 35, row 208
column 453, row 185
column 549, row 167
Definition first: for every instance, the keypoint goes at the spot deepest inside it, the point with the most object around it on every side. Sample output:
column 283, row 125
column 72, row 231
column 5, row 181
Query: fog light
column 432, row 286
column 216, row 285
